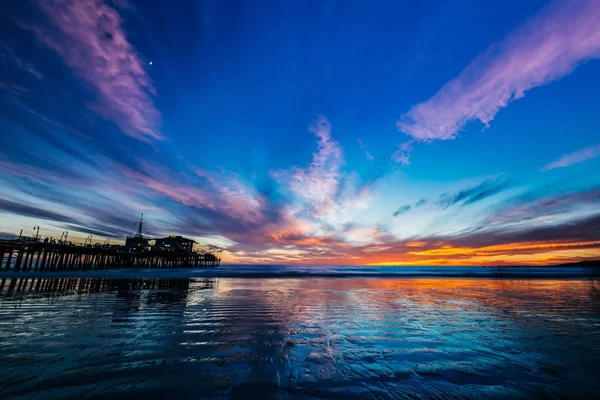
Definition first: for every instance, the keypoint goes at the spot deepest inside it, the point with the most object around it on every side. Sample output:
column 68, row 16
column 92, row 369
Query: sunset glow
column 458, row 134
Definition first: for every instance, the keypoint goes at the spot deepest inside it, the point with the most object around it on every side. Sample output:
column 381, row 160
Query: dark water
column 317, row 337
column 290, row 271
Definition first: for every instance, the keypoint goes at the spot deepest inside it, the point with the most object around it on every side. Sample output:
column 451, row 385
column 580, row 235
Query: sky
column 311, row 132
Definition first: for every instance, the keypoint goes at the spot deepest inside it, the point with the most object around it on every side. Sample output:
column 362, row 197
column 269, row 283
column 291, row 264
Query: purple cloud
column 543, row 208
column 549, row 46
column 90, row 39
column 216, row 192
column 577, row 157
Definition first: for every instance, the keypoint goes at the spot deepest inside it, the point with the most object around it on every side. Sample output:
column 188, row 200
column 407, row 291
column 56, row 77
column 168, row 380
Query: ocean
column 301, row 332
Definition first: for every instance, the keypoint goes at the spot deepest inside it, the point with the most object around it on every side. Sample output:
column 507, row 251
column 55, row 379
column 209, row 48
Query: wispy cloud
column 234, row 197
column 572, row 240
column 577, row 157
column 364, row 148
column 13, row 88
column 26, row 210
column 402, row 210
column 539, row 208
column 322, row 197
column 473, row 194
column 216, row 193
column 322, row 211
column 7, row 53
column 89, row 37
column 402, row 153
column 319, row 182
column 407, row 207
column 549, row 46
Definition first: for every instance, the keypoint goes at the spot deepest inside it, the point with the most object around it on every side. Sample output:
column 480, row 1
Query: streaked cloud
column 575, row 240
column 218, row 193
column 402, row 210
column 549, row 46
column 473, row 194
column 64, row 168
column 576, row 157
column 14, row 88
column 89, row 36
column 364, row 148
column 27, row 210
column 262, row 231
column 7, row 54
column 533, row 209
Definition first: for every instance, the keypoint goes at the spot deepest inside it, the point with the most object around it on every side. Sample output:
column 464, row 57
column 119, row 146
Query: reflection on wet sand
column 282, row 338
column 67, row 286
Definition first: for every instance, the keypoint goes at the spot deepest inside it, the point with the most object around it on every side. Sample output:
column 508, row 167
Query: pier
column 38, row 256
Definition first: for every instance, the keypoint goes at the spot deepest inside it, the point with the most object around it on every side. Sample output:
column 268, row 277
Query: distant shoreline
column 578, row 264
column 583, row 269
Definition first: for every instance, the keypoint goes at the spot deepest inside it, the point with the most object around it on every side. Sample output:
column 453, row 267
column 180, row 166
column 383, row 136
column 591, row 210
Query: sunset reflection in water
column 308, row 337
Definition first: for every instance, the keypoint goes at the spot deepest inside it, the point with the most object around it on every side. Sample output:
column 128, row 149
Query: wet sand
column 301, row 338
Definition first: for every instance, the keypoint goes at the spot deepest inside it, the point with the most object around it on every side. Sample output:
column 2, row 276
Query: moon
column 150, row 63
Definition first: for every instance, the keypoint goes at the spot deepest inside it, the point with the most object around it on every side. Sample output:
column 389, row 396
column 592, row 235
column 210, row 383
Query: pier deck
column 36, row 256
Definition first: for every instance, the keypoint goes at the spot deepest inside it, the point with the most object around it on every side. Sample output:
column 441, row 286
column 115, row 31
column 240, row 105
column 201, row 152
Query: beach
column 299, row 337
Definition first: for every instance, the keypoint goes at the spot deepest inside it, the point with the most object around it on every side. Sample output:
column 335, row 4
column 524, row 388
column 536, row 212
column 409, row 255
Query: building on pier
column 174, row 243
column 137, row 244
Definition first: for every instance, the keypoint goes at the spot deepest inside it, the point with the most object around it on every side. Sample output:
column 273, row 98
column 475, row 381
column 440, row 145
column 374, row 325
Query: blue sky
column 456, row 132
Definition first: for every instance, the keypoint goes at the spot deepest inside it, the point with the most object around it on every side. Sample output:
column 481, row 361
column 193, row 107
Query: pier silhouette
column 34, row 256
column 139, row 251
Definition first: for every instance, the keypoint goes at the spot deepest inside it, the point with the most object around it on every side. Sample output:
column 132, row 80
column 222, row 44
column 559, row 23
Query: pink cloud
column 549, row 46
column 322, row 193
column 546, row 208
column 185, row 195
column 89, row 37
column 577, row 157
column 233, row 196
column 227, row 196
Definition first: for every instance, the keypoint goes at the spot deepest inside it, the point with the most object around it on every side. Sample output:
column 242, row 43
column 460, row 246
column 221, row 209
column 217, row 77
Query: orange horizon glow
column 517, row 254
